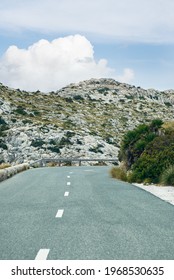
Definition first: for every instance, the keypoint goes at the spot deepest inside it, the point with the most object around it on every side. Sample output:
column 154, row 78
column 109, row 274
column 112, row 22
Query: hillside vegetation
column 147, row 154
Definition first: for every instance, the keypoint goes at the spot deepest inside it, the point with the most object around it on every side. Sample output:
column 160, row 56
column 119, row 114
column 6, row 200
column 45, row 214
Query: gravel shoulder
column 164, row 192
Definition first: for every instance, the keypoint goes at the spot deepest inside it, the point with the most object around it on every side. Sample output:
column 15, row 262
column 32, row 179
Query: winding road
column 80, row 213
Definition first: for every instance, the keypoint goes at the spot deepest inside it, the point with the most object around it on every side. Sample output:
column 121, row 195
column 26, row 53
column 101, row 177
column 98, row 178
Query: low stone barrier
column 10, row 171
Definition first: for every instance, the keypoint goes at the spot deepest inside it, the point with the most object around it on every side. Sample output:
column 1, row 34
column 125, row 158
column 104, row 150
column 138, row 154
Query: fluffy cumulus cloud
column 48, row 66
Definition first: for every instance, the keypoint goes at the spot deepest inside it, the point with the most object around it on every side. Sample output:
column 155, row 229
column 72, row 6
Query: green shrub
column 27, row 121
column 37, row 113
column 130, row 177
column 167, row 177
column 37, row 143
column 54, row 149
column 78, row 98
column 168, row 104
column 70, row 134
column 147, row 181
column 155, row 125
column 3, row 127
column 3, row 146
column 69, row 99
column 2, row 121
column 13, row 120
column 64, row 141
column 135, row 141
column 118, row 173
column 79, row 142
column 147, row 150
column 103, row 90
column 153, row 161
column 20, row 110
column 96, row 149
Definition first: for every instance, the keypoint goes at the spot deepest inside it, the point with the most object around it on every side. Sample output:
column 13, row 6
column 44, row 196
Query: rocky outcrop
column 87, row 119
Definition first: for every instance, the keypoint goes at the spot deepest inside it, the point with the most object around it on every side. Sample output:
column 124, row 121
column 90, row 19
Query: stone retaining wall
column 10, row 171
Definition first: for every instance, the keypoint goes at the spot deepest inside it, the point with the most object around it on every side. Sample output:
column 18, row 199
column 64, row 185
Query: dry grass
column 51, row 164
column 168, row 125
column 4, row 165
column 167, row 177
column 118, row 173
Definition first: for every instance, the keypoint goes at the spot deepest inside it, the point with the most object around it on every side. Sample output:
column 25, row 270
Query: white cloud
column 128, row 75
column 135, row 20
column 49, row 66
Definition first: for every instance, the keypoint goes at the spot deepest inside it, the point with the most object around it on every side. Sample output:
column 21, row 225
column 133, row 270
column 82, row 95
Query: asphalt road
column 81, row 213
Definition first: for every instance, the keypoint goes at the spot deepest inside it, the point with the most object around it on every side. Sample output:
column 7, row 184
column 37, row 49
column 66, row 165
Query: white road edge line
column 66, row 194
column 42, row 254
column 59, row 213
column 68, row 183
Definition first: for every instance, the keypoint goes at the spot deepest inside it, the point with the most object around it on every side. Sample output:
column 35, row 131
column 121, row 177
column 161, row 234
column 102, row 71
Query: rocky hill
column 86, row 119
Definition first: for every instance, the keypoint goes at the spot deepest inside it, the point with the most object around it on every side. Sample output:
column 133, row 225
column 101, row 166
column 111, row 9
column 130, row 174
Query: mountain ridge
column 86, row 119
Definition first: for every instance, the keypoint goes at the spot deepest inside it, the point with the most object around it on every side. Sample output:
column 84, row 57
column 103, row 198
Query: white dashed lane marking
column 66, row 194
column 59, row 213
column 42, row 254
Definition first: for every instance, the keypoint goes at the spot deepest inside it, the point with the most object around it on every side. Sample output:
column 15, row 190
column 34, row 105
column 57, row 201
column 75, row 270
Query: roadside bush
column 135, row 141
column 167, row 177
column 146, row 152
column 131, row 177
column 118, row 173
column 153, row 161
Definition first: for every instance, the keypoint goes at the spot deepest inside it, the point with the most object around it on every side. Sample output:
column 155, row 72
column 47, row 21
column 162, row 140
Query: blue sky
column 129, row 40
